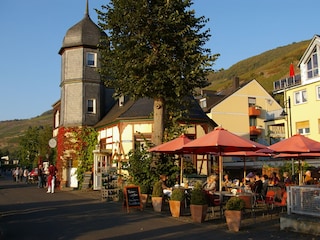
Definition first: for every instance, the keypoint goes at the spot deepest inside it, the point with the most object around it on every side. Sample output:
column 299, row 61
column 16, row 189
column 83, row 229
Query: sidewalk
column 262, row 226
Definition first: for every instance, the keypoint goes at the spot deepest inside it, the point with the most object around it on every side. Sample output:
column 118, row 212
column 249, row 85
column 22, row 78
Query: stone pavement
column 264, row 224
column 27, row 212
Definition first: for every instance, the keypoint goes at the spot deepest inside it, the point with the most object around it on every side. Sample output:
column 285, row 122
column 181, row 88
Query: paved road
column 27, row 212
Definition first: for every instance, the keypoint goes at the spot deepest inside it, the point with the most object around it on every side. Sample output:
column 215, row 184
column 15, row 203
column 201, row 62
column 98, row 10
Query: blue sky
column 32, row 32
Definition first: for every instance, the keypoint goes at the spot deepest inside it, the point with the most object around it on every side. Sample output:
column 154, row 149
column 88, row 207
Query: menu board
column 132, row 197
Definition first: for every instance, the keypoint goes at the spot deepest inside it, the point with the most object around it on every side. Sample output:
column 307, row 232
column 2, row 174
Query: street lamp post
column 287, row 114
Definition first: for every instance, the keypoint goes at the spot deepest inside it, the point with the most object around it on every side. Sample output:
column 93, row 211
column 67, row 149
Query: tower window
column 91, row 59
column 91, row 106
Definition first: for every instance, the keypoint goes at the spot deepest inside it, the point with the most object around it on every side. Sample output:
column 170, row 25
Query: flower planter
column 176, row 208
column 233, row 218
column 144, row 199
column 198, row 212
column 157, row 203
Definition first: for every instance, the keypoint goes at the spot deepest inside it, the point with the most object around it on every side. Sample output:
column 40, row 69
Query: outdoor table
column 223, row 197
column 226, row 195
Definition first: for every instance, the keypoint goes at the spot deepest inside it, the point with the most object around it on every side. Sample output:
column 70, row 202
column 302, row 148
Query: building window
column 91, row 59
column 318, row 92
column 253, row 121
column 91, row 106
column 252, row 101
column 312, row 65
column 141, row 141
column 57, row 119
column 300, row 97
column 303, row 127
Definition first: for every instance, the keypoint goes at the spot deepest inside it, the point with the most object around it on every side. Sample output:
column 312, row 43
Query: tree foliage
column 34, row 147
column 154, row 49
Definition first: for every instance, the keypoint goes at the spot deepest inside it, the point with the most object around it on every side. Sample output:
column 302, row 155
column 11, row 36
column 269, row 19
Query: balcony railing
column 287, row 82
column 254, row 111
column 255, row 130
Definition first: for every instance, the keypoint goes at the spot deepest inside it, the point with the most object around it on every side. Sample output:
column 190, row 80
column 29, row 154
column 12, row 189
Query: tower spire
column 87, row 8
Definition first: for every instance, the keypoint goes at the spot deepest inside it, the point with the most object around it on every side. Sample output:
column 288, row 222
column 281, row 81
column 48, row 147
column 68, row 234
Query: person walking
column 51, row 178
column 16, row 174
column 40, row 177
column 25, row 175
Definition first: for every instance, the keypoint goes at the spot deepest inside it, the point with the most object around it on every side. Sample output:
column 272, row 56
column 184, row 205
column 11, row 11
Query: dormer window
column 203, row 103
column 91, row 59
column 312, row 65
column 121, row 101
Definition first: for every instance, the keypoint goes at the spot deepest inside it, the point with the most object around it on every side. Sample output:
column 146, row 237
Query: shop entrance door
column 101, row 165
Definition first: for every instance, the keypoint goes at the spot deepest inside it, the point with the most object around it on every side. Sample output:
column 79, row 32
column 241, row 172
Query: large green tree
column 154, row 49
column 33, row 146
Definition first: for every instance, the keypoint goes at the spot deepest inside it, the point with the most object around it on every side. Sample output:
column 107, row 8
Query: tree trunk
column 158, row 121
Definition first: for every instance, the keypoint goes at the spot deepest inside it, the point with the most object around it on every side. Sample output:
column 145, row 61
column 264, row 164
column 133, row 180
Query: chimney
column 236, row 83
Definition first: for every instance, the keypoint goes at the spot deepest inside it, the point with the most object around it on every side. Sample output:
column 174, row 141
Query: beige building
column 246, row 110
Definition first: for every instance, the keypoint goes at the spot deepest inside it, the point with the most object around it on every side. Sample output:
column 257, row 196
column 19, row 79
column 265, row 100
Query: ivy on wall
column 76, row 144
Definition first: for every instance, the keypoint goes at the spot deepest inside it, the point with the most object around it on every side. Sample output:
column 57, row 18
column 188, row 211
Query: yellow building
column 302, row 94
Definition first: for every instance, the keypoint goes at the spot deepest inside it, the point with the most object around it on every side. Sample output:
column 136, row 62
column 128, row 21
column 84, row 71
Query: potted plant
column 157, row 196
column 176, row 202
column 144, row 190
column 198, row 204
column 233, row 212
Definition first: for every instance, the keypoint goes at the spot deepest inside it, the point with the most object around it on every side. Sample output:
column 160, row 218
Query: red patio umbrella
column 296, row 144
column 220, row 141
column 297, row 155
column 173, row 147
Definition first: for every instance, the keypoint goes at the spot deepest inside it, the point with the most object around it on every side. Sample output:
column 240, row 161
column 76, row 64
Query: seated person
column 274, row 180
column 226, row 182
column 210, row 185
column 256, row 187
column 286, row 178
column 308, row 179
column 167, row 191
column 265, row 184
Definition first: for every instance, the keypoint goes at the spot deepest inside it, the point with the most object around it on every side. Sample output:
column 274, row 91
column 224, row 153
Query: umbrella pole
column 292, row 166
column 244, row 169
column 220, row 172
column 181, row 170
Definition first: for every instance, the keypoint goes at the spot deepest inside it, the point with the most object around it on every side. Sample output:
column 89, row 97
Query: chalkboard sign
column 132, row 197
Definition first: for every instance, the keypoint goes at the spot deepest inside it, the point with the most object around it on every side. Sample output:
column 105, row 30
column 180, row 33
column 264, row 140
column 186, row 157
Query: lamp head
column 283, row 114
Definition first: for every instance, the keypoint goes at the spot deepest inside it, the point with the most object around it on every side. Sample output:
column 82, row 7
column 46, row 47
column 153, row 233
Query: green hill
column 11, row 130
column 266, row 68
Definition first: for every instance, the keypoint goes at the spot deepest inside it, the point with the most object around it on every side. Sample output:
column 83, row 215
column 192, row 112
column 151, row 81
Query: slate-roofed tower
column 81, row 88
